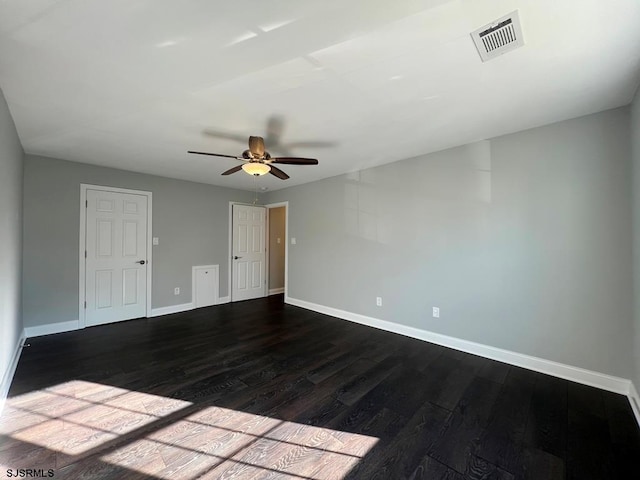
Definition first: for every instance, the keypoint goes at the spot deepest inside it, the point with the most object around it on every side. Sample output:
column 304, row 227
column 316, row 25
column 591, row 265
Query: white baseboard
column 11, row 370
column 156, row 312
column 222, row 300
column 276, row 291
column 634, row 400
column 49, row 328
column 549, row 367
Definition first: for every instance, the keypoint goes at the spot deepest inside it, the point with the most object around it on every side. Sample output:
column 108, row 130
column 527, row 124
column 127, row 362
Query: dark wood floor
column 259, row 389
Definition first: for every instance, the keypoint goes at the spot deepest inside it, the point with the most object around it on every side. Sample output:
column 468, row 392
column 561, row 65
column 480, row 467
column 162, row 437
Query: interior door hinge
column 85, row 304
column 85, row 254
column 86, row 204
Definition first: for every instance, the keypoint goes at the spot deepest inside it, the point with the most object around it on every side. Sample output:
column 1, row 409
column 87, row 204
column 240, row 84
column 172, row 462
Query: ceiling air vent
column 501, row 36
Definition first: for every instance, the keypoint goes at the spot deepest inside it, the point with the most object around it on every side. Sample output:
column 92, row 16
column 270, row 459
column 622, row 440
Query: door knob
column 141, row 262
column 236, row 257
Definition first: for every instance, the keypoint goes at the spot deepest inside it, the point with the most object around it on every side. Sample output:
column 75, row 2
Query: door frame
column 269, row 206
column 82, row 244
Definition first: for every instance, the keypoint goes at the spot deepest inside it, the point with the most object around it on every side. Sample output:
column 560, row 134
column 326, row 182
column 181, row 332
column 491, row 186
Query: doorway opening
column 258, row 250
column 277, row 248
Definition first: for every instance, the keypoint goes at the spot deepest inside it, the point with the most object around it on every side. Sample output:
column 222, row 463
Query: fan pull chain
column 255, row 189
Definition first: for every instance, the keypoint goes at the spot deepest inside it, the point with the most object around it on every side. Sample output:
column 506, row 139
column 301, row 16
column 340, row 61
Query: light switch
column 156, row 240
column 293, row 240
column 278, row 240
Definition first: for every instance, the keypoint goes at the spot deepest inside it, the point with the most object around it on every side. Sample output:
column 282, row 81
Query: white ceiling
column 134, row 84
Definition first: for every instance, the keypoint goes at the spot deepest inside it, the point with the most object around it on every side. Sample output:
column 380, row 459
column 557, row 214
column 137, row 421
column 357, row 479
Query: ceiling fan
column 273, row 138
column 257, row 161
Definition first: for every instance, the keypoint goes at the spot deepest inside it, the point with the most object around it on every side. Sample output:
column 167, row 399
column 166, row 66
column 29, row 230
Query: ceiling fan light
column 255, row 168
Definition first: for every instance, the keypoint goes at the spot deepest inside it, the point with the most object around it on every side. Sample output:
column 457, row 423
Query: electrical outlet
column 176, row 291
column 379, row 301
column 293, row 240
column 436, row 312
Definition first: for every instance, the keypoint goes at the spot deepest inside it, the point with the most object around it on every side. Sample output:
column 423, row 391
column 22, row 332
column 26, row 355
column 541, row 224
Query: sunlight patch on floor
column 89, row 427
column 218, row 442
column 77, row 416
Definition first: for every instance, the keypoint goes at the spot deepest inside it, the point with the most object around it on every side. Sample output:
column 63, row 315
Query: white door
column 116, row 257
column 248, row 253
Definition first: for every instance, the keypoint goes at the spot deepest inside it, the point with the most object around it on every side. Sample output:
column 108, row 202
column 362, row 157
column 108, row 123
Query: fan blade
column 232, row 170
column 278, row 173
column 294, row 161
column 256, row 146
column 216, row 155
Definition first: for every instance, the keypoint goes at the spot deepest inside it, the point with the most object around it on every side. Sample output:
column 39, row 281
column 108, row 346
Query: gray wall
column 276, row 250
column 523, row 241
column 190, row 220
column 11, row 160
column 635, row 156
